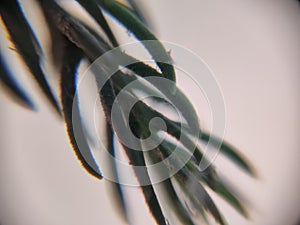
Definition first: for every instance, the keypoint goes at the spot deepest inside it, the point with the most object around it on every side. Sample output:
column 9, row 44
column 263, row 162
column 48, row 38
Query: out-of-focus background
column 253, row 48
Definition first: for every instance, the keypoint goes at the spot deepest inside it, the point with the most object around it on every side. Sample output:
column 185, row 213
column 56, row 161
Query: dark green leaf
column 229, row 151
column 209, row 177
column 176, row 205
column 71, row 59
column 92, row 8
column 228, row 195
column 201, row 198
column 169, row 194
column 215, row 183
column 7, row 78
column 115, row 187
column 137, row 11
column 75, row 31
column 179, row 100
column 57, row 40
column 138, row 67
column 134, row 25
column 146, row 113
column 189, row 181
column 178, row 202
column 91, row 43
column 26, row 43
column 136, row 158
